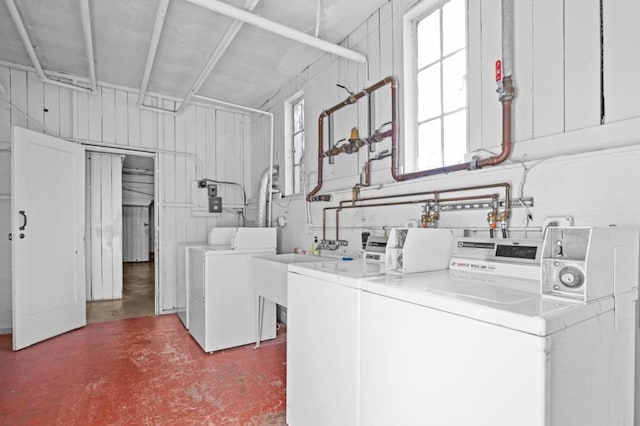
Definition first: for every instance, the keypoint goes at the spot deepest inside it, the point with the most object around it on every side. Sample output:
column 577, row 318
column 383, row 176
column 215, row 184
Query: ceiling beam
column 282, row 30
column 88, row 41
column 224, row 44
column 26, row 41
column 161, row 14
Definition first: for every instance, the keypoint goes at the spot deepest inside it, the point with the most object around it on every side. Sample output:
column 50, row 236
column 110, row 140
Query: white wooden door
column 47, row 226
column 135, row 224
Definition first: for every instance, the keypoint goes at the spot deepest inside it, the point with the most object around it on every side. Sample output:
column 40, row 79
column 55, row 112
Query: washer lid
column 347, row 273
column 507, row 302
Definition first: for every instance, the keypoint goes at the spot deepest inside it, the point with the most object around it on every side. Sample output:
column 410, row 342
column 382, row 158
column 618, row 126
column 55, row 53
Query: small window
column 294, row 144
column 435, row 75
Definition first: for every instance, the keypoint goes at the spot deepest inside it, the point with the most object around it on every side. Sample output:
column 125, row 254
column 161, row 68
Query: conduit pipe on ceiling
column 271, row 118
column 161, row 14
column 224, row 44
column 282, row 30
column 26, row 41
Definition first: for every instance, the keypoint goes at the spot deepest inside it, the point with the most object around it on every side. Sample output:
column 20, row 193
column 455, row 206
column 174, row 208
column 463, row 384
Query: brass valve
column 429, row 218
column 492, row 218
column 355, row 135
column 502, row 217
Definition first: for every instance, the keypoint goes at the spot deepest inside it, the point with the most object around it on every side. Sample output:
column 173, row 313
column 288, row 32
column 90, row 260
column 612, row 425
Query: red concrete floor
column 141, row 371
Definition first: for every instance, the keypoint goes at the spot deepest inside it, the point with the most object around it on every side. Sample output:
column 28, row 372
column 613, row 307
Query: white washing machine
column 219, row 238
column 222, row 305
column 182, row 276
column 323, row 331
column 481, row 344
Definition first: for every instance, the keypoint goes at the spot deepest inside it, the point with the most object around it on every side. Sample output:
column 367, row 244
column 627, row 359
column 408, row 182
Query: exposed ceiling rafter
column 17, row 20
column 161, row 15
column 88, row 41
column 224, row 44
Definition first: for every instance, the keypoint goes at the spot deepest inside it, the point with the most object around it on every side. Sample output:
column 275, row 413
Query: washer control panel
column 589, row 263
column 564, row 261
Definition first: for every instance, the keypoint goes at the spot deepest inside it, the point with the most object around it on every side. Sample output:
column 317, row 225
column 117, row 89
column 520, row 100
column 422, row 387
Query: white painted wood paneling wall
column 103, row 238
column 219, row 139
column 556, row 111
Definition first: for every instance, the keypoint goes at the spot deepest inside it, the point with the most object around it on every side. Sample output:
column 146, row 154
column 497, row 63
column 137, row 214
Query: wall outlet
column 307, row 229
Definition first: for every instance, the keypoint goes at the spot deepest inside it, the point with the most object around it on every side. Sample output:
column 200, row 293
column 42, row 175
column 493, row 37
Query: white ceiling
column 254, row 67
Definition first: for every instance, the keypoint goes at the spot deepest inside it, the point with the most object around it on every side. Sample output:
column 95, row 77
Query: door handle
column 21, row 212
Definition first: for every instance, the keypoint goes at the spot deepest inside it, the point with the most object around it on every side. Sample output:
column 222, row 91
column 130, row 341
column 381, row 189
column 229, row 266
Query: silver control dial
column 571, row 277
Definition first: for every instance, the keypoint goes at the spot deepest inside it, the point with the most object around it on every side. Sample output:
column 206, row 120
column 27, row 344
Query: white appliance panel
column 322, row 353
column 426, row 367
column 450, row 370
column 222, row 300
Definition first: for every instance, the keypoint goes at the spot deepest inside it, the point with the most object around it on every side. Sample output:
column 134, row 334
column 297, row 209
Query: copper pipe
column 436, row 194
column 505, row 185
column 507, row 144
column 355, row 191
column 506, row 100
column 311, row 196
column 399, row 203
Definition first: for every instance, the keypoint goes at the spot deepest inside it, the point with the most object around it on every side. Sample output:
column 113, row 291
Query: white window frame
column 409, row 21
column 288, row 145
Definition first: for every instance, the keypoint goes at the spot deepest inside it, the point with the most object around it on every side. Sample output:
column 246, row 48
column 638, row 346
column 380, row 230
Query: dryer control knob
column 571, row 277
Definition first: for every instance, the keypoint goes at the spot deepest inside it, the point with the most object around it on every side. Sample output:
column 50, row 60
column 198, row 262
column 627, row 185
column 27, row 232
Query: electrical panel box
column 212, row 190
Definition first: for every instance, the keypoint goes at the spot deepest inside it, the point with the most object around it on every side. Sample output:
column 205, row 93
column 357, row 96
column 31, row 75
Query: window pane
column 298, row 148
column 298, row 117
column 296, row 179
column 454, row 18
column 428, row 39
column 301, row 124
column 429, row 93
column 455, row 137
column 454, row 71
column 429, row 145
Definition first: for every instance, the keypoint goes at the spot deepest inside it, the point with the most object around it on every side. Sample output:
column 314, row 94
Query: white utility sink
column 270, row 273
column 270, row 279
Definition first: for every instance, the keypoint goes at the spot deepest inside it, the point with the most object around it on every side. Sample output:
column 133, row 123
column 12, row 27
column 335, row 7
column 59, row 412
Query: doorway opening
column 120, row 235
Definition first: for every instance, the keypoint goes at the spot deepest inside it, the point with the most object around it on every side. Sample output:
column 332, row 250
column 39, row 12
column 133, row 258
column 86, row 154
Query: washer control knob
column 571, row 277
